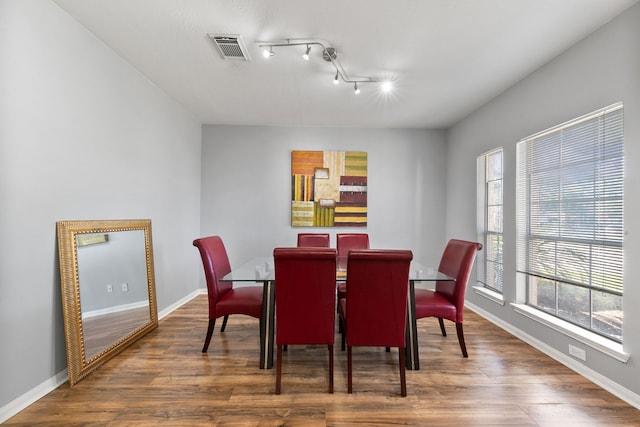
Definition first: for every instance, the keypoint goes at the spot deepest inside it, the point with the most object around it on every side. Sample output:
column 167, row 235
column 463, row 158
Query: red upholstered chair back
column 313, row 240
column 347, row 241
column 216, row 266
column 457, row 261
column 305, row 295
column 377, row 287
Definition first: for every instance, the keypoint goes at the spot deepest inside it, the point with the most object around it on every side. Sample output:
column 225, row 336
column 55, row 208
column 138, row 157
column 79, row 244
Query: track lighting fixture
column 329, row 54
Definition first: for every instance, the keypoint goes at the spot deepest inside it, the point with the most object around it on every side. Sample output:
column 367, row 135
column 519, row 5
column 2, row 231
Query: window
column 490, row 220
column 569, row 220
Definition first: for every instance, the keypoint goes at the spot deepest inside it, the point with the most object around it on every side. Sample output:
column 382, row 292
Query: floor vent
column 230, row 46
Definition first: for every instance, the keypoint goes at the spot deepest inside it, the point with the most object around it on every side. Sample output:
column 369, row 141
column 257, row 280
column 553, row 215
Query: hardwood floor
column 102, row 331
column 165, row 379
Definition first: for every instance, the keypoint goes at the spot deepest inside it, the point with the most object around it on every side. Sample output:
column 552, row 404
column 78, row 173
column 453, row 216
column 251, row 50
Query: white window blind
column 570, row 220
column 490, row 219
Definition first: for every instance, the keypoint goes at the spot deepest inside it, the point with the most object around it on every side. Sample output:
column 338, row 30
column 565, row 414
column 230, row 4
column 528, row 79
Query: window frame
column 484, row 181
column 527, row 268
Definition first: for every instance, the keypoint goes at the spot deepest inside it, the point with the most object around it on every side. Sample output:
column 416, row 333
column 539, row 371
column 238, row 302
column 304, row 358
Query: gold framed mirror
column 108, row 289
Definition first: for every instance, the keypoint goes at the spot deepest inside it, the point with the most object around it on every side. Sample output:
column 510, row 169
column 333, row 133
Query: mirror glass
column 108, row 289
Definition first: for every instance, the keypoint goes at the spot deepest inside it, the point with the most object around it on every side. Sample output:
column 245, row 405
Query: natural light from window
column 570, row 220
column 490, row 213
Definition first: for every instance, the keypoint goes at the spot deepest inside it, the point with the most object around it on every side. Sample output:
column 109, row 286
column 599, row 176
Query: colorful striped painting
column 328, row 189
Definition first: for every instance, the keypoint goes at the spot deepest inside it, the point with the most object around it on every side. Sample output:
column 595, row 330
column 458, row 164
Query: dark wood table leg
column 411, row 342
column 267, row 329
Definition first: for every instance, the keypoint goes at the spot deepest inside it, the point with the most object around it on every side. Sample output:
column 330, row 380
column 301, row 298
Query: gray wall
column 246, row 186
column 602, row 69
column 82, row 136
column 121, row 259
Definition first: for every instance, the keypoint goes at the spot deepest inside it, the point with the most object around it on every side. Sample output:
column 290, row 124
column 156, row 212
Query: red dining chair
column 313, row 240
column 374, row 312
column 347, row 241
column 224, row 299
column 305, row 301
column 344, row 243
column 447, row 300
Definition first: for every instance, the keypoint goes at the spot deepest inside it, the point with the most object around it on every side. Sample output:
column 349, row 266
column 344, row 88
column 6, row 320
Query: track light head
column 336, row 79
column 268, row 53
column 306, row 53
column 356, row 89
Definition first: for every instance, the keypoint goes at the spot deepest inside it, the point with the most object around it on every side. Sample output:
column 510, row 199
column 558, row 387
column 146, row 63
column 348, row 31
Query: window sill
column 594, row 341
column 489, row 294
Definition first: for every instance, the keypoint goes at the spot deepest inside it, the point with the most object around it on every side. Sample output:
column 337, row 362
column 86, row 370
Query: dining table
column 261, row 270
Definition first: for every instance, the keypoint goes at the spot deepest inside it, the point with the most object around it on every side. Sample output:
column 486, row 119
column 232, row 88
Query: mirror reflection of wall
column 113, row 274
column 114, row 293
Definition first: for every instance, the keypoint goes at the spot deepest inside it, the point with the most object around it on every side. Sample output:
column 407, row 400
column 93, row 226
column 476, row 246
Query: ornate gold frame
column 78, row 365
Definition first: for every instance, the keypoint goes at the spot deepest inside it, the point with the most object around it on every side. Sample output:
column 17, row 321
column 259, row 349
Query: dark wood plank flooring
column 103, row 331
column 165, row 379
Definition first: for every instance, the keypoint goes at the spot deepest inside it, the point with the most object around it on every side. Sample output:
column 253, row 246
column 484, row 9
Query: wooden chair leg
column 349, row 371
column 442, row 329
column 207, row 340
column 331, row 368
column 403, row 378
column 278, row 369
column 224, row 323
column 463, row 347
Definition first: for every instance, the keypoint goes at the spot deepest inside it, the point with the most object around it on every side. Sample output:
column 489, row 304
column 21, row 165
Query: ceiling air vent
column 230, row 46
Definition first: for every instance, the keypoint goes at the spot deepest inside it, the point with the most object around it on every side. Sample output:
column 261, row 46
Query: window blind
column 570, row 202
column 490, row 219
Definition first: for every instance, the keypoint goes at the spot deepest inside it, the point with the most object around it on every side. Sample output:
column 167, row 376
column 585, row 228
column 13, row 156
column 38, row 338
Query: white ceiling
column 446, row 57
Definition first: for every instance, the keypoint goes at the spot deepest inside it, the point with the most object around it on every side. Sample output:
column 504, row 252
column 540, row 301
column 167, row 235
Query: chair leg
column 403, row 378
column 343, row 332
column 463, row 347
column 442, row 329
column 331, row 368
column 278, row 369
column 349, row 371
column 224, row 323
column 207, row 340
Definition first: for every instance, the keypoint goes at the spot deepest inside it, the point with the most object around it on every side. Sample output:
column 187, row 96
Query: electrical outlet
column 125, row 287
column 577, row 352
column 109, row 288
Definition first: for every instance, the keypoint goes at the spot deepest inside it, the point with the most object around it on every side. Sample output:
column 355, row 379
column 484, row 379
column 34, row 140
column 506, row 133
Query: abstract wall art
column 328, row 189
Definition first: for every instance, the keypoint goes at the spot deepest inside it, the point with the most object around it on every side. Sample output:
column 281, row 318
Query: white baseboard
column 36, row 393
column 612, row 387
column 173, row 307
column 47, row 386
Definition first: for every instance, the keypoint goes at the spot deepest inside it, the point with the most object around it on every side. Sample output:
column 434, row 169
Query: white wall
column 246, row 186
column 602, row 69
column 82, row 136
